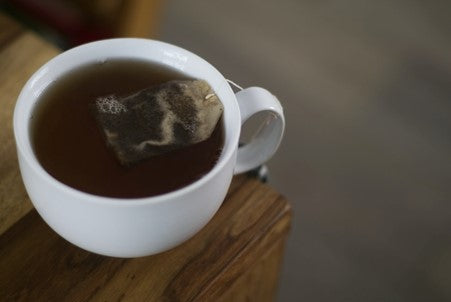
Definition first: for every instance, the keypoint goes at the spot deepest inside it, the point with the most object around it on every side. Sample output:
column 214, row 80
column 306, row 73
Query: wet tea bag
column 158, row 119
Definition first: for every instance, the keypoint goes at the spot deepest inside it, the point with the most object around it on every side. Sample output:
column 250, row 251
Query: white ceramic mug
column 143, row 226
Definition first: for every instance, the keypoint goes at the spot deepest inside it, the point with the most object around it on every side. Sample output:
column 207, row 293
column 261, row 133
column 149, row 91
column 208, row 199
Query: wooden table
column 236, row 257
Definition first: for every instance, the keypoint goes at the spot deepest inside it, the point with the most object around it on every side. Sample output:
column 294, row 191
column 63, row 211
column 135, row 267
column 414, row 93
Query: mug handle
column 265, row 142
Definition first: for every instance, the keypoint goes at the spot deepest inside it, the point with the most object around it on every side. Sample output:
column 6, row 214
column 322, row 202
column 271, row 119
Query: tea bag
column 158, row 119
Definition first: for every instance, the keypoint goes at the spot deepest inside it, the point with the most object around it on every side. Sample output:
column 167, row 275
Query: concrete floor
column 366, row 87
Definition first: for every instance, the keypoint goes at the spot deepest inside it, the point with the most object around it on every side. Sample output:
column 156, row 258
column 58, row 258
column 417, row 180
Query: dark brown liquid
column 70, row 146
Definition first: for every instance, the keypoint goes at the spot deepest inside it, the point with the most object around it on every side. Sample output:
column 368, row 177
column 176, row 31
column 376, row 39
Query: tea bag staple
column 158, row 119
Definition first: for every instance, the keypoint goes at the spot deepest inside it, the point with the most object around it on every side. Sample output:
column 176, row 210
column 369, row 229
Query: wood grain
column 21, row 53
column 38, row 265
column 260, row 281
column 235, row 257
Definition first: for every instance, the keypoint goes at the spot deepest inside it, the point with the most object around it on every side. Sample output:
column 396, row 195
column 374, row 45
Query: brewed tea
column 69, row 144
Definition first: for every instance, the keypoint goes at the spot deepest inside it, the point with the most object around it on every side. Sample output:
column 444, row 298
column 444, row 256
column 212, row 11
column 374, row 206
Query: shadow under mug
column 143, row 226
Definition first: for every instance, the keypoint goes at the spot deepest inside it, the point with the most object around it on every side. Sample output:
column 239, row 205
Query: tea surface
column 69, row 144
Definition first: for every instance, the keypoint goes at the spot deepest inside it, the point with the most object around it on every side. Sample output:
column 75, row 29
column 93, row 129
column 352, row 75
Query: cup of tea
column 86, row 196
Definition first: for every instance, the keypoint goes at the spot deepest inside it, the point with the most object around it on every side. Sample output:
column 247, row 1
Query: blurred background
column 366, row 88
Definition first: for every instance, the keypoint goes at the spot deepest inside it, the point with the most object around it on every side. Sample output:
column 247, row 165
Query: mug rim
column 23, row 141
